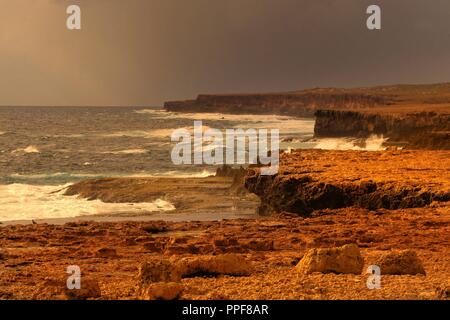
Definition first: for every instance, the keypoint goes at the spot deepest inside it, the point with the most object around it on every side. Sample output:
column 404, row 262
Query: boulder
column 158, row 271
column 398, row 263
column 159, row 280
column 345, row 259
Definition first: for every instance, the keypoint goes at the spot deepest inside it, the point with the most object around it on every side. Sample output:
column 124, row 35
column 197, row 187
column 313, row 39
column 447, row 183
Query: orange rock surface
column 32, row 255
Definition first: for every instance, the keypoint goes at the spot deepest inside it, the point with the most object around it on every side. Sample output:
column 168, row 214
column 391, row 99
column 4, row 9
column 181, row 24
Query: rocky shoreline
column 320, row 253
column 310, row 180
column 416, row 116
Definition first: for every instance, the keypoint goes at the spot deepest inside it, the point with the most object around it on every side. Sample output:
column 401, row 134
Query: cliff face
column 305, row 102
column 424, row 130
column 293, row 104
column 310, row 180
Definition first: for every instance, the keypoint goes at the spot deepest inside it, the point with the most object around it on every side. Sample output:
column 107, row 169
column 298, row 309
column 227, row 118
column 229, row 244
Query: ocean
column 44, row 149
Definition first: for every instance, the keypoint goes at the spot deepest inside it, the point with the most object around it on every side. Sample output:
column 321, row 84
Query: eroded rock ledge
column 311, row 180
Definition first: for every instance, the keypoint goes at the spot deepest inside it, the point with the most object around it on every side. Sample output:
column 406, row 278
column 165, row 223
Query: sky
column 145, row 52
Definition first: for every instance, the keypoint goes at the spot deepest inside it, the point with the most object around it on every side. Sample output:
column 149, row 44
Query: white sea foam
column 176, row 174
column 156, row 133
column 162, row 114
column 373, row 143
column 25, row 202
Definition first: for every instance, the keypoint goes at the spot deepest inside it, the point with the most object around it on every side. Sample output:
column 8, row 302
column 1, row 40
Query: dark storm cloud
column 142, row 52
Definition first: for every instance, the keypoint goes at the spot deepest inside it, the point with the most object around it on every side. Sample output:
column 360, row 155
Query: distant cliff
column 394, row 98
column 418, row 115
column 294, row 104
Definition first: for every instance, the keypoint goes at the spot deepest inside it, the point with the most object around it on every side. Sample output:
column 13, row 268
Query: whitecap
column 373, row 143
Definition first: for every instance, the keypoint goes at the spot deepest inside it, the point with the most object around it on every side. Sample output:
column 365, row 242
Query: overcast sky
column 143, row 52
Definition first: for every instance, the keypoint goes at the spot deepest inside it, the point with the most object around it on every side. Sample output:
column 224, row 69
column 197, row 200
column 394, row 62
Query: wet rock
column 225, row 264
column 345, row 259
column 398, row 263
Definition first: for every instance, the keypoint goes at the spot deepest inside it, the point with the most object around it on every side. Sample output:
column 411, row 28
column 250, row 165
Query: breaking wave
column 373, row 143
column 26, row 202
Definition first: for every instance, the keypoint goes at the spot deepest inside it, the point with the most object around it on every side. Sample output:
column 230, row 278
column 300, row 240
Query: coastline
column 112, row 253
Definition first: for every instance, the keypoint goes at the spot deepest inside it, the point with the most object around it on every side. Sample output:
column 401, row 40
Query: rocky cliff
column 310, row 180
column 423, row 130
column 416, row 115
column 301, row 104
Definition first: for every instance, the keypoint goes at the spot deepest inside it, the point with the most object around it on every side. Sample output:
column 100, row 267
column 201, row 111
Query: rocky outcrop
column 397, row 263
column 415, row 115
column 310, row 180
column 160, row 279
column 422, row 130
column 345, row 259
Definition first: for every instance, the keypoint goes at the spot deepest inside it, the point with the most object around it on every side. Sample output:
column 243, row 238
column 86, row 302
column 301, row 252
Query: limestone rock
column 154, row 271
column 159, row 280
column 346, row 259
column 397, row 263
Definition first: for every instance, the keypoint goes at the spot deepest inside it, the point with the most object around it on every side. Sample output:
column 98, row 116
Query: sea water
column 43, row 149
